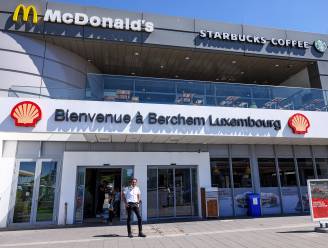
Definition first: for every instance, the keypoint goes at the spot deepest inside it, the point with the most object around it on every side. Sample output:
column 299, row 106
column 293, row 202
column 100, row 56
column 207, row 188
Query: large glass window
column 305, row 170
column 270, row 200
column 268, row 174
column 172, row 192
column 220, row 173
column 242, row 176
column 47, row 191
column 322, row 167
column 290, row 195
column 24, row 193
column 287, row 172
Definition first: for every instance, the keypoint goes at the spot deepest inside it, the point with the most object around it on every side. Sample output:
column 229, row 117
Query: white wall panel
column 21, row 62
column 22, row 44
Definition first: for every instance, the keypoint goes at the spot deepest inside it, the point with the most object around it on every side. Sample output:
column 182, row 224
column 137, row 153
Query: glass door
column 126, row 176
column 183, row 192
column 35, row 192
column 172, row 192
column 165, row 193
column 24, row 192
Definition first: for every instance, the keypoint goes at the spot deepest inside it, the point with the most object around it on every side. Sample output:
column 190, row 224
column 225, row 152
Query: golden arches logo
column 26, row 12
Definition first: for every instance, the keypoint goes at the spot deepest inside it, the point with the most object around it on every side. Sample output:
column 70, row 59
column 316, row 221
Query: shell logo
column 299, row 123
column 26, row 114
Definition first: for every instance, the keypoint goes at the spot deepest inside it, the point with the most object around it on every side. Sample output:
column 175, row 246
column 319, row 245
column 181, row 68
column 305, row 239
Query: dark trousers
column 133, row 207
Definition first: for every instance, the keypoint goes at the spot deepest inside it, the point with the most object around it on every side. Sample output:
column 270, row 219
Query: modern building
column 91, row 94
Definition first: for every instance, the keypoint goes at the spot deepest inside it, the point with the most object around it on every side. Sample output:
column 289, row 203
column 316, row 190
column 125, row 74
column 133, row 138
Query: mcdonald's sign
column 26, row 12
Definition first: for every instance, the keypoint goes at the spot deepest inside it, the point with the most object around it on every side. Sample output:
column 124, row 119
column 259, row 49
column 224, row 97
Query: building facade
column 89, row 95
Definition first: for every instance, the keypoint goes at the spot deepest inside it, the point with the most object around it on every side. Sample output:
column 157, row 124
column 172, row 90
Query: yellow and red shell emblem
column 26, row 114
column 299, row 123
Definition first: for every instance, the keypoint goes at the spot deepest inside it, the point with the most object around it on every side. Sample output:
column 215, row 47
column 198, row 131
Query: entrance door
column 35, row 192
column 172, row 192
column 84, row 190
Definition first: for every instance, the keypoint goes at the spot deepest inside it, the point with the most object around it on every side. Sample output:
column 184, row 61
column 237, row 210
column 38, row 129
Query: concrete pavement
column 284, row 232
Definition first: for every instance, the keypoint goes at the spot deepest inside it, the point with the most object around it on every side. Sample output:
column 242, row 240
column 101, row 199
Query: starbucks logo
column 320, row 45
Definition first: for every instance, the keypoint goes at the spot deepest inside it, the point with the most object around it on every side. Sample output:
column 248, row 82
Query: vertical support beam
column 255, row 170
column 278, row 178
column 314, row 163
column 232, row 183
column 298, row 178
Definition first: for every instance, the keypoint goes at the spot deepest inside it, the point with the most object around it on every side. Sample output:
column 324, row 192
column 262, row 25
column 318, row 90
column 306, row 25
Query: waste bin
column 254, row 205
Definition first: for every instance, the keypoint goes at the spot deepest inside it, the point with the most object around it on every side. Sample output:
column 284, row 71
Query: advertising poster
column 318, row 190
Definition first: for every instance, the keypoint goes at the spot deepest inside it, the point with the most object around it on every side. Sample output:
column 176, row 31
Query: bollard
column 65, row 220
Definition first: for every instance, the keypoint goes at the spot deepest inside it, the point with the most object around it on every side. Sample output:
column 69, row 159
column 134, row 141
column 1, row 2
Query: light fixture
column 276, row 65
column 187, row 58
column 217, row 79
column 90, row 60
column 242, row 72
column 176, row 76
column 162, row 66
column 234, row 61
column 136, row 54
column 133, row 73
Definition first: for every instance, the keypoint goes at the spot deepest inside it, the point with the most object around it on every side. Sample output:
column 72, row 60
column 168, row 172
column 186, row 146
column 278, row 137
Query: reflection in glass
column 242, row 176
column 267, row 171
column 152, row 193
column 165, row 193
column 79, row 195
column 322, row 167
column 47, row 191
column 287, row 172
column 183, row 192
column 24, row 192
column 194, row 191
column 305, row 170
column 220, row 173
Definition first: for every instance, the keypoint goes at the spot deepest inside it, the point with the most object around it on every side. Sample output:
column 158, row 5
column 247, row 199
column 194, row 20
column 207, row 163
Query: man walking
column 131, row 198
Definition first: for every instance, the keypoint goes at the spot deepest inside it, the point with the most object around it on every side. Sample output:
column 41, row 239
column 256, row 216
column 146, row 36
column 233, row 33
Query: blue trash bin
column 254, row 205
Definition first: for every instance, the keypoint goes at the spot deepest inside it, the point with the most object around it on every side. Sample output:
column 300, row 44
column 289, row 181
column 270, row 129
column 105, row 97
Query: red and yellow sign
column 26, row 12
column 299, row 123
column 26, row 114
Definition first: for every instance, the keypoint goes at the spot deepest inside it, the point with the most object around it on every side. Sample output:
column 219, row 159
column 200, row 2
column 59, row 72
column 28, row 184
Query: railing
column 166, row 91
column 102, row 87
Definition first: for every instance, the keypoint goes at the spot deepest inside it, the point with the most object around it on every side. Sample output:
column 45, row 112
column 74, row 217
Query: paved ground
column 280, row 232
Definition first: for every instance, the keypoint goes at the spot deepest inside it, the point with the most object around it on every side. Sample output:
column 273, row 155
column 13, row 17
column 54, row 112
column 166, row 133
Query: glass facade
column 172, row 192
column 270, row 193
column 102, row 87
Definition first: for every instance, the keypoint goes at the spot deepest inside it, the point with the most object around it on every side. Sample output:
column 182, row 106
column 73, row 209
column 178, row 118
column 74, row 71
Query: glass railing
column 102, row 87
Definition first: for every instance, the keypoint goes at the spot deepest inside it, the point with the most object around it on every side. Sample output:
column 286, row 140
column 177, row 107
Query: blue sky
column 302, row 15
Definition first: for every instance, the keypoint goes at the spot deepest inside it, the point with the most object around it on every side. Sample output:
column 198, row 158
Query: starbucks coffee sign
column 320, row 45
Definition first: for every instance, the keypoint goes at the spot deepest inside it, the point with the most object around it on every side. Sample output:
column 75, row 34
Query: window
column 220, row 173
column 268, row 174
column 242, row 176
column 287, row 172
column 322, row 167
column 305, row 170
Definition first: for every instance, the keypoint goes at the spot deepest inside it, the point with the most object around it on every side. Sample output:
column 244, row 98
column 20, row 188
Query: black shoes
column 142, row 235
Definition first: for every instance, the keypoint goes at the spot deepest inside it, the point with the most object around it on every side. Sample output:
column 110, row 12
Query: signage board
column 318, row 197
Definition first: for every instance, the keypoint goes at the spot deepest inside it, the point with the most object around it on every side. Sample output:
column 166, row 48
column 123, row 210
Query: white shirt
column 131, row 194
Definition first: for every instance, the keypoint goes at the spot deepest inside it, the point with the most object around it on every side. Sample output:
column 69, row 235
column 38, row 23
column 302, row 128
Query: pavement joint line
column 156, row 236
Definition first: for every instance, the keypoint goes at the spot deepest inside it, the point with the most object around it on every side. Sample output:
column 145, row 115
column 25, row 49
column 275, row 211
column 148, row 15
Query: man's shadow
column 110, row 236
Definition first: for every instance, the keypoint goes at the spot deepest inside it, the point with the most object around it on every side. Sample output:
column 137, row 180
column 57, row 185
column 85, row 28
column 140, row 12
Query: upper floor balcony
column 103, row 87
